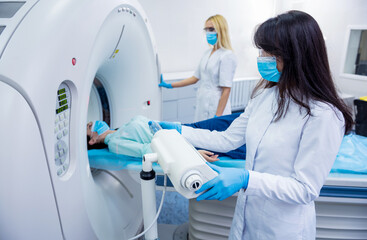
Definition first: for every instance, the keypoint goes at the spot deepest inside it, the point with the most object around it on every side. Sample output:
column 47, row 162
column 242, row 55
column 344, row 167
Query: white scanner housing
column 51, row 54
column 183, row 164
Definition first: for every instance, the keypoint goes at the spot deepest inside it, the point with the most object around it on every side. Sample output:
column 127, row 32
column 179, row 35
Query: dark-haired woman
column 293, row 127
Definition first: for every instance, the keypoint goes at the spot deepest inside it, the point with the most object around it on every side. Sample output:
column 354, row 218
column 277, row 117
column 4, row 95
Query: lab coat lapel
column 262, row 117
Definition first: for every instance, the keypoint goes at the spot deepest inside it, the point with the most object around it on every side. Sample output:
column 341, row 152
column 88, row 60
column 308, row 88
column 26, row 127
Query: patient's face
column 89, row 129
column 94, row 137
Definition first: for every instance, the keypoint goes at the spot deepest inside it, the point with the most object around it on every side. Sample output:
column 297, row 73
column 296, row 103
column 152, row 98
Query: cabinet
column 178, row 103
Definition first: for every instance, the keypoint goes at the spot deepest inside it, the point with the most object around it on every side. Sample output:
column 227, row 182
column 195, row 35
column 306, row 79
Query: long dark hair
column 296, row 39
column 95, row 146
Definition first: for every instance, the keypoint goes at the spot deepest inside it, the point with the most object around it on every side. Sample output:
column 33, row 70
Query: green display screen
column 63, row 102
column 61, row 91
column 62, row 97
column 63, row 108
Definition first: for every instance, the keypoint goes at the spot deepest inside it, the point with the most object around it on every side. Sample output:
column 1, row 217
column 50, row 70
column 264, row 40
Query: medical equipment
column 361, row 117
column 87, row 58
column 341, row 209
column 185, row 167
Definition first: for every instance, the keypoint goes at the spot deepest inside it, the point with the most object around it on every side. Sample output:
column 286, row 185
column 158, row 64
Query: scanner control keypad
column 61, row 131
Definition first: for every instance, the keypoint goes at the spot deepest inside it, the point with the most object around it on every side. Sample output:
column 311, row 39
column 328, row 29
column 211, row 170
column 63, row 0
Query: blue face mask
column 100, row 127
column 211, row 37
column 268, row 68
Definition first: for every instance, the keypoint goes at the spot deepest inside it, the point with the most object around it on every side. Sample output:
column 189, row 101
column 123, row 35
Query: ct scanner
column 51, row 52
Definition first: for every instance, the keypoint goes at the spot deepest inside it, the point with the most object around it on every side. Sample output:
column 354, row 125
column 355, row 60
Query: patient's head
column 96, row 134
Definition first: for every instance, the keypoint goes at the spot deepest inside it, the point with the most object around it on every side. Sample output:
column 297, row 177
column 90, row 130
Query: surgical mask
column 268, row 68
column 100, row 127
column 211, row 37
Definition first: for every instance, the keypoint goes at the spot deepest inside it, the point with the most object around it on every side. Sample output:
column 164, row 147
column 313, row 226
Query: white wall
column 177, row 26
column 334, row 17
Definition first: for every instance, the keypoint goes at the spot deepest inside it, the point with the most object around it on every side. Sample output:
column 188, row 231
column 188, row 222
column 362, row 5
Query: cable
column 158, row 212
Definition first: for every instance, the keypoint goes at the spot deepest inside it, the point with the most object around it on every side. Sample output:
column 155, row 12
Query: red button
column 73, row 61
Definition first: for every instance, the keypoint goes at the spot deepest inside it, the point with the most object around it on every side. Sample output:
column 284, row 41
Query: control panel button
column 61, row 129
column 60, row 171
column 59, row 136
column 58, row 161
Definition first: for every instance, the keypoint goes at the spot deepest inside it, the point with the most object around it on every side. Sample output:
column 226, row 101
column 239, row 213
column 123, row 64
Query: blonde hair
column 221, row 26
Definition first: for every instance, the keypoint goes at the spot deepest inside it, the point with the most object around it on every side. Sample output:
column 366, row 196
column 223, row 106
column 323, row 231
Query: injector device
column 182, row 163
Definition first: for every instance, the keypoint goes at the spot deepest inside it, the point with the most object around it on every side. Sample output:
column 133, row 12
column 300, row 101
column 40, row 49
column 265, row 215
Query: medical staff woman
column 215, row 72
column 293, row 127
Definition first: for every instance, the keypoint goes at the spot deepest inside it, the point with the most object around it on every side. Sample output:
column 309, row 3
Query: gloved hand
column 164, row 84
column 171, row 125
column 154, row 127
column 215, row 116
column 228, row 182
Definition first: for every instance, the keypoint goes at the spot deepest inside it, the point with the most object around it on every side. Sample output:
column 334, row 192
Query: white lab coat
column 214, row 71
column 288, row 161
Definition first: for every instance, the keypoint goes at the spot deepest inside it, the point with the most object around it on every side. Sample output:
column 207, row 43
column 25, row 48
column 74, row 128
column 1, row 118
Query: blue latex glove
column 164, row 84
column 228, row 182
column 171, row 125
column 154, row 127
column 215, row 116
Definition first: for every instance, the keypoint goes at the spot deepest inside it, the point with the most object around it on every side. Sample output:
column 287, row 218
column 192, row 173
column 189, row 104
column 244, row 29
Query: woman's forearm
column 223, row 101
column 185, row 82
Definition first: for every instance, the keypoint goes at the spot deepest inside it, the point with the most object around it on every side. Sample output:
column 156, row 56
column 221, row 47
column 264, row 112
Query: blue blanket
column 352, row 155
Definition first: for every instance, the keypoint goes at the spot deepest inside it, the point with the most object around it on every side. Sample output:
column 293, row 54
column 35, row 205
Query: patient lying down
column 131, row 139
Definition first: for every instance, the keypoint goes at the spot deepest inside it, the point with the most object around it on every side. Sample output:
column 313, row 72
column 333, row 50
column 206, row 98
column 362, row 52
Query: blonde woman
column 215, row 72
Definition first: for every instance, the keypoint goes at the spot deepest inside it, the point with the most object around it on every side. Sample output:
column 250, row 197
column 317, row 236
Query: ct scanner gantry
column 51, row 52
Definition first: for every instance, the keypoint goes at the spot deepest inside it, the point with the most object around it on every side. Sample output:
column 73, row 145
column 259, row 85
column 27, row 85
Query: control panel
column 62, row 129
